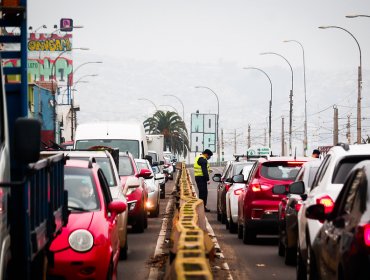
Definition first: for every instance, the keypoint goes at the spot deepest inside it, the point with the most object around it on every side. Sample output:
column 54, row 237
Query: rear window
column 344, row 167
column 280, row 170
column 125, row 166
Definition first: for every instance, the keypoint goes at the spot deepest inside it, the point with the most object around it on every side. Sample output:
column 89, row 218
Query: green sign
column 261, row 151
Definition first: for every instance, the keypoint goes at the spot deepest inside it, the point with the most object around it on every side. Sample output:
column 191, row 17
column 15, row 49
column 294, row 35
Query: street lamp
column 74, row 72
column 305, row 141
column 73, row 116
column 356, row 15
column 156, row 109
column 290, row 101
column 218, row 114
column 170, row 107
column 270, row 107
column 359, row 81
column 182, row 104
column 52, row 82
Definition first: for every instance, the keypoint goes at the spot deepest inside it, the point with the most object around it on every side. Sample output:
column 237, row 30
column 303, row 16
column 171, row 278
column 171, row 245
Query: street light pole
column 53, row 69
column 290, row 101
column 359, row 82
column 183, row 114
column 270, row 107
column 218, row 115
column 163, row 105
column 156, row 109
column 305, row 141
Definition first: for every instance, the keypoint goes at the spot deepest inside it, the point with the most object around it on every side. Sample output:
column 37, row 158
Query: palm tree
column 171, row 125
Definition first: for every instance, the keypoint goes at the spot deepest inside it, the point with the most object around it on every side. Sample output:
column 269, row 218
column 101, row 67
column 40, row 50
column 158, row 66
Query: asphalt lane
column 257, row 261
column 141, row 246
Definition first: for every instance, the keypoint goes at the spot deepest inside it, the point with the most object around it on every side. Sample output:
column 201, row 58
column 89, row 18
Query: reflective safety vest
column 197, row 168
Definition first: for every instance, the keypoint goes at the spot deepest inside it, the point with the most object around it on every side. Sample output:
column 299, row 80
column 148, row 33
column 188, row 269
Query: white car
column 160, row 180
column 152, row 204
column 232, row 197
column 325, row 188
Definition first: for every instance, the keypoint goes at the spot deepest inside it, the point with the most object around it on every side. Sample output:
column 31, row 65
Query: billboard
column 203, row 134
column 50, row 57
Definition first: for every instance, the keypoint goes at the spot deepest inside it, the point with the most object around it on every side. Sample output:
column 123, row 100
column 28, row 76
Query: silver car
column 153, row 188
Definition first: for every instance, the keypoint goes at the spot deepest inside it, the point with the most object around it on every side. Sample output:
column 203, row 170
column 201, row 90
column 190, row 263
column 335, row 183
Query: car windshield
column 280, row 170
column 140, row 165
column 344, row 167
column 82, row 195
column 131, row 146
column 125, row 166
column 238, row 168
column 106, row 166
column 311, row 176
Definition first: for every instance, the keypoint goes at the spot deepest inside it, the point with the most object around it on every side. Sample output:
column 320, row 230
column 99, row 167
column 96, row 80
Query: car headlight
column 81, row 240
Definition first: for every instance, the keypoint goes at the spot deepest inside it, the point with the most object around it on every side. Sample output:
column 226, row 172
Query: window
column 279, row 170
column 125, row 166
column 344, row 167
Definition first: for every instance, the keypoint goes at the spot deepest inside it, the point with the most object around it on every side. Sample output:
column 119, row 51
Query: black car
column 341, row 249
column 288, row 210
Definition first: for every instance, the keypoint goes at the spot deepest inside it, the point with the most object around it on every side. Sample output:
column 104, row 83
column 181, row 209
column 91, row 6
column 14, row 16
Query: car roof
column 285, row 158
column 77, row 153
column 80, row 163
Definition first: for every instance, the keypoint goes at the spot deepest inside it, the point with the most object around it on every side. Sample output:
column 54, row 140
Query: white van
column 126, row 136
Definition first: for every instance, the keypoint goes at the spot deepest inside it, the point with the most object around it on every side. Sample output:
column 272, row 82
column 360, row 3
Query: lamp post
column 217, row 121
column 156, row 109
column 73, row 116
column 359, row 81
column 183, row 114
column 270, row 107
column 52, row 82
column 356, row 15
column 305, row 141
column 74, row 72
column 163, row 105
column 290, row 101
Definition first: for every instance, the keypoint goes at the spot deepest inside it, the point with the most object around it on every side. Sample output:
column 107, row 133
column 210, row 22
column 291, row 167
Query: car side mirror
column 145, row 173
column 238, row 178
column 117, row 206
column 297, row 188
column 279, row 189
column 216, row 177
column 316, row 212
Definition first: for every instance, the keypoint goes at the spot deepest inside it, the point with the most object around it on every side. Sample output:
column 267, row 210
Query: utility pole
column 290, row 121
column 349, row 129
column 235, row 141
column 264, row 141
column 249, row 136
column 335, row 136
column 222, row 144
column 282, row 137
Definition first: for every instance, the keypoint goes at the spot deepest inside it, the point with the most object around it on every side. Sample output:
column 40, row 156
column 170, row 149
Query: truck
column 155, row 147
column 33, row 203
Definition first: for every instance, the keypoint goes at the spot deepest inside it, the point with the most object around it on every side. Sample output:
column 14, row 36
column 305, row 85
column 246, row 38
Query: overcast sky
column 213, row 30
column 180, row 44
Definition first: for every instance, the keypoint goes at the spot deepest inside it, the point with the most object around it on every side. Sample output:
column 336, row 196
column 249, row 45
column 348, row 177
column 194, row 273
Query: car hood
column 76, row 221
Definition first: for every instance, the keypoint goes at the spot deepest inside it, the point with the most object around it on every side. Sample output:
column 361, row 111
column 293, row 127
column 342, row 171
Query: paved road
column 141, row 246
column 258, row 261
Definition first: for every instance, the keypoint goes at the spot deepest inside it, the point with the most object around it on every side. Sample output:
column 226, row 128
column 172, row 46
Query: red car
column 257, row 205
column 88, row 246
column 137, row 194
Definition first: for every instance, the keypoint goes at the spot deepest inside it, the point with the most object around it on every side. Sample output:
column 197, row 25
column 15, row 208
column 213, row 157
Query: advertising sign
column 203, row 132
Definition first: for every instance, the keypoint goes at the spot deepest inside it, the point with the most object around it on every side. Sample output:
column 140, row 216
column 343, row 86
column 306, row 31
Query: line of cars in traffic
column 319, row 209
column 108, row 191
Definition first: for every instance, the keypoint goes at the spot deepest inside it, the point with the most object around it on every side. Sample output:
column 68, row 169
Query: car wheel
column 123, row 251
column 155, row 213
column 145, row 219
column 300, row 266
column 249, row 235
column 223, row 218
column 163, row 192
column 218, row 216
column 140, row 223
column 311, row 267
column 232, row 226
column 290, row 256
column 240, row 231
column 281, row 248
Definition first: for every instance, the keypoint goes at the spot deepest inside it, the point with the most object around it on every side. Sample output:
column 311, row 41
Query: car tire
column 281, row 248
column 163, row 191
column 223, row 218
column 140, row 223
column 123, row 251
column 290, row 256
column 249, row 235
column 311, row 268
column 301, row 273
column 155, row 213
column 240, row 231
column 233, row 227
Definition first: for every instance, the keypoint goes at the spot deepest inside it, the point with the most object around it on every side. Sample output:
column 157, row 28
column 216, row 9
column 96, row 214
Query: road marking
column 154, row 271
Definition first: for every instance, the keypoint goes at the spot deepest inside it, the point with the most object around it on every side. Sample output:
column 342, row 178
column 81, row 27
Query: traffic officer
column 201, row 173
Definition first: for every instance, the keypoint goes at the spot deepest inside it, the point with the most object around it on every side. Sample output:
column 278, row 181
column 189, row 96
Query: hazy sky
column 150, row 48
column 213, row 30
